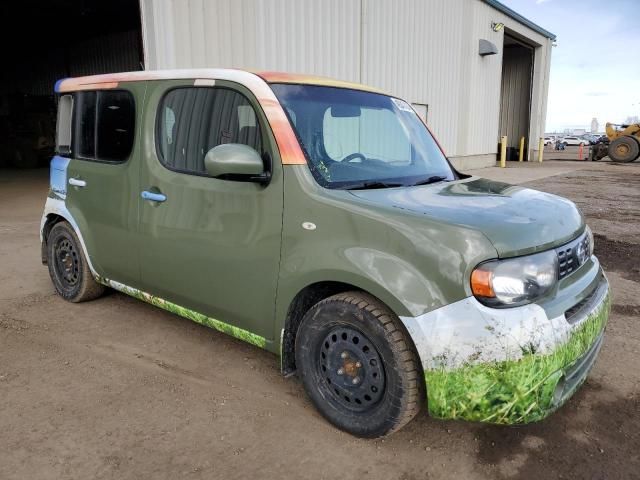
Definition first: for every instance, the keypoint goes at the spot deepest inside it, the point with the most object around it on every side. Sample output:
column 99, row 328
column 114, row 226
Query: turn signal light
column 481, row 283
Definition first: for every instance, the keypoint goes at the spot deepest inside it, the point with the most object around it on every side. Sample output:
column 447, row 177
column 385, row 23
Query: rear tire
column 624, row 149
column 359, row 366
column 68, row 266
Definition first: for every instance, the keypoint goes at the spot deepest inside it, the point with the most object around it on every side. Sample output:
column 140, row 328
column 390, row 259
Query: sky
column 595, row 67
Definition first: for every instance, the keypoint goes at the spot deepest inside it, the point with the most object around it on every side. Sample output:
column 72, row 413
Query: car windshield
column 355, row 139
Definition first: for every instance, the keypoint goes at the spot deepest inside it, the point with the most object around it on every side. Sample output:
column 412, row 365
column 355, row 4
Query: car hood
column 516, row 220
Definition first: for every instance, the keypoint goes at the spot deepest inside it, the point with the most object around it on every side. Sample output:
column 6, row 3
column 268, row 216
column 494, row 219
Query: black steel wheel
column 68, row 267
column 351, row 366
column 67, row 263
column 358, row 365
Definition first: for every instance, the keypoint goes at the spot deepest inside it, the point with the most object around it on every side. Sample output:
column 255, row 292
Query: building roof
column 519, row 18
column 111, row 80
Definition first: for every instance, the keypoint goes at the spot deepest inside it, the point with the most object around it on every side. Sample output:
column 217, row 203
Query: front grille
column 572, row 255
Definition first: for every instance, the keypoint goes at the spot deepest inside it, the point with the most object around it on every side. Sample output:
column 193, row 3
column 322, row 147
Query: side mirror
column 235, row 161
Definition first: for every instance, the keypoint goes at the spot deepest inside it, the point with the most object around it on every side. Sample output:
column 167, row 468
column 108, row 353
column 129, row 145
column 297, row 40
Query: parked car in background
column 401, row 283
column 591, row 138
column 548, row 141
column 574, row 141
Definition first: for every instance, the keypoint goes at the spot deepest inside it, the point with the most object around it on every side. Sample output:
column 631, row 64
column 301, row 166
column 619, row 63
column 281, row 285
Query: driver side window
column 376, row 134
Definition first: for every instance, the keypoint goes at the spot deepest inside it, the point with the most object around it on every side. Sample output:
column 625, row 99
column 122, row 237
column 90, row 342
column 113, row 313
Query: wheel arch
column 306, row 298
column 48, row 222
column 55, row 211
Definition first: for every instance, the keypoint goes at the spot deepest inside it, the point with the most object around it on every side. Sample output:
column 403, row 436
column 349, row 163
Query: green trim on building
column 511, row 391
column 200, row 318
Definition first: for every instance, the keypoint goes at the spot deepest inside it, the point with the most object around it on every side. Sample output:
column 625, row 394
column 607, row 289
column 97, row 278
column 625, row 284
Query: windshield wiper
column 431, row 179
column 371, row 185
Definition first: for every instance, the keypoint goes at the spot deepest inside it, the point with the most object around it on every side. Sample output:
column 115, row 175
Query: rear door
column 210, row 245
column 103, row 178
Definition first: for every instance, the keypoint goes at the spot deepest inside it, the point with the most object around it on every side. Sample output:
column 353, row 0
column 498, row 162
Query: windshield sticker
column 402, row 105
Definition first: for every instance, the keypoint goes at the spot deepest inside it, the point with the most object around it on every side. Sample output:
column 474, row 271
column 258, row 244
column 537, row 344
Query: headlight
column 515, row 281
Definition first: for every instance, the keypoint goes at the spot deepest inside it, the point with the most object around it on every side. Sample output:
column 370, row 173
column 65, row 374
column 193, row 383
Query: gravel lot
column 118, row 389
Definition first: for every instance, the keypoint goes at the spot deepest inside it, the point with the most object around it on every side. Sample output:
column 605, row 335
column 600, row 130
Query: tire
column 68, row 267
column 359, row 365
column 599, row 151
column 624, row 149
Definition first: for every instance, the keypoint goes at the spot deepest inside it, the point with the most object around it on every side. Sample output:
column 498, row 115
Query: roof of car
column 295, row 78
column 111, row 80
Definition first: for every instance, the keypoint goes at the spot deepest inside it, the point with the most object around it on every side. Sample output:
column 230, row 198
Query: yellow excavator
column 621, row 145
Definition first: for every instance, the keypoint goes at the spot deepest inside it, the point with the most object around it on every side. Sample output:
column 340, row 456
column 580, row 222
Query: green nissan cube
column 320, row 220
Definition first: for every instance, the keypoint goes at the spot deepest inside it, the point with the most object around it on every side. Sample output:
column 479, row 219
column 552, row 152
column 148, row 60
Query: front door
column 103, row 178
column 209, row 245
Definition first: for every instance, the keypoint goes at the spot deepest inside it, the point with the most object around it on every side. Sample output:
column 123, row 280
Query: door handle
column 154, row 197
column 76, row 182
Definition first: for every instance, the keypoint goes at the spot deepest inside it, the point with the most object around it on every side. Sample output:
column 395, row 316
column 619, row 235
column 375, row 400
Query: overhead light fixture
column 496, row 27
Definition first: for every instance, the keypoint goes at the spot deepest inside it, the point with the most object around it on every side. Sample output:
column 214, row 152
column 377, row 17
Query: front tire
column 624, row 149
column 68, row 266
column 359, row 366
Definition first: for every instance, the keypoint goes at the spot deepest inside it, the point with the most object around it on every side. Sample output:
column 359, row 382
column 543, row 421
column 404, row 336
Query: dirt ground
column 118, row 389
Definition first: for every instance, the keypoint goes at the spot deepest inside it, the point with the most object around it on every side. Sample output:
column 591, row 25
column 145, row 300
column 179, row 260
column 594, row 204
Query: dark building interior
column 45, row 41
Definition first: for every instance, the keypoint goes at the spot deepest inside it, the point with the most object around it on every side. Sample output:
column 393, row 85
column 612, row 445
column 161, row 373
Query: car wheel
column 624, row 149
column 68, row 267
column 359, row 366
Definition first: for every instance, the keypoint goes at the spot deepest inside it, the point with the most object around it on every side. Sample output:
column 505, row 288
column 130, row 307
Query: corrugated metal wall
column 425, row 51
column 116, row 52
column 323, row 39
column 416, row 51
column 479, row 113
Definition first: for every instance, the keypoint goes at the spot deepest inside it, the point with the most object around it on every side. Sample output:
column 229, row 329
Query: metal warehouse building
column 475, row 69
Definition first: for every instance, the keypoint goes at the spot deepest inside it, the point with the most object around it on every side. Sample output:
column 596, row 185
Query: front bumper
column 507, row 366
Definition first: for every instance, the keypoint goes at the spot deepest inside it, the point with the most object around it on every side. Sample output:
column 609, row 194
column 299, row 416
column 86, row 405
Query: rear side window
column 85, row 123
column 115, row 125
column 191, row 121
column 64, row 125
column 104, row 125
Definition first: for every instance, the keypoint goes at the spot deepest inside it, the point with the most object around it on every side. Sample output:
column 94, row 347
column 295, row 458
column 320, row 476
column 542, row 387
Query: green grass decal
column 239, row 333
column 512, row 391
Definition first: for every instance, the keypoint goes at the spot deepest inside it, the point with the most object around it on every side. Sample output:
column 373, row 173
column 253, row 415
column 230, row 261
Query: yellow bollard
column 521, row 149
column 503, row 151
column 540, row 149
